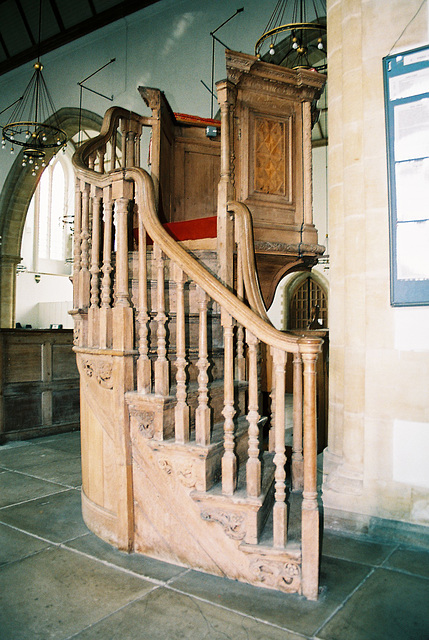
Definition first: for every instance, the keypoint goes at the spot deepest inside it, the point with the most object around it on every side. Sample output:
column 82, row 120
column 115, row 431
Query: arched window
column 308, row 300
column 50, row 207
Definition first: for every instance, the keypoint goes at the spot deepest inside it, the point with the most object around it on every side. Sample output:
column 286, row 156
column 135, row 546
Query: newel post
column 123, row 335
column 310, row 507
column 225, row 229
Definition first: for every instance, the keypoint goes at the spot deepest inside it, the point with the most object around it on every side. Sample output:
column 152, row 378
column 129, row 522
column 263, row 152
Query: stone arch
column 294, row 282
column 15, row 198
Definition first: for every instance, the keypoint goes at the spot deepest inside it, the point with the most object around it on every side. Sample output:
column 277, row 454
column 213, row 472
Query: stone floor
column 58, row 581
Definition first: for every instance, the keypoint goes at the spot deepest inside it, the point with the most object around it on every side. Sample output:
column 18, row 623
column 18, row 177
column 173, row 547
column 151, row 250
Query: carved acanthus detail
column 232, row 523
column 183, row 470
column 285, row 576
column 145, row 421
column 100, row 371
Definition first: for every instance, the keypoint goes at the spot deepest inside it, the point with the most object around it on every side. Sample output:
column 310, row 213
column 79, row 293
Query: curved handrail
column 216, row 290
column 109, row 123
column 244, row 236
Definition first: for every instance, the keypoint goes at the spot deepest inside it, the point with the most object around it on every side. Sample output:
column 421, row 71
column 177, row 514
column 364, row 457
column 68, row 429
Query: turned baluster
column 182, row 409
column 280, row 507
column 105, row 337
column 137, row 145
column 253, row 466
column 93, row 310
column 143, row 363
column 77, row 240
column 107, row 248
column 229, row 460
column 84, row 256
column 310, row 509
column 202, row 412
column 161, row 363
column 272, row 431
column 122, row 294
column 95, row 249
column 297, row 459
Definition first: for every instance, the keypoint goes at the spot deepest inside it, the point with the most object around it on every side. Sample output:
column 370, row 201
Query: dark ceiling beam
column 92, row 7
column 77, row 31
column 4, row 47
column 25, row 22
column 57, row 15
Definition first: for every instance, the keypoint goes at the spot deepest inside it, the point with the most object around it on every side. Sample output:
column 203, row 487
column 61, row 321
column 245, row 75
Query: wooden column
column 162, row 383
column 297, row 459
column 182, row 408
column 84, row 250
column 76, row 243
column 229, row 460
column 105, row 337
column 123, row 323
column 253, row 466
column 202, row 413
column 144, row 369
column 93, row 319
column 225, row 231
column 280, row 507
column 310, row 508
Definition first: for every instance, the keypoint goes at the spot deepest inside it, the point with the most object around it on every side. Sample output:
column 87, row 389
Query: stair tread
column 240, row 494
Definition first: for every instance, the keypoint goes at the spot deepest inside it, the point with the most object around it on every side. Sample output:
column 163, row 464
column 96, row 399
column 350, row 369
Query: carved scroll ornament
column 283, row 576
column 100, row 371
column 232, row 523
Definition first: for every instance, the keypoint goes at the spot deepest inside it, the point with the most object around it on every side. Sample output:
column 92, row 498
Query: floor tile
column 292, row 612
column 144, row 566
column 32, row 456
column 67, row 442
column 56, row 518
column 17, row 487
column 390, row 605
column 66, row 471
column 411, row 560
column 15, row 545
column 57, row 592
column 174, row 616
column 356, row 550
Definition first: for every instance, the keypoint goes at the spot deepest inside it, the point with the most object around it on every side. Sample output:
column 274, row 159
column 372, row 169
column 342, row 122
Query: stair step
column 243, row 517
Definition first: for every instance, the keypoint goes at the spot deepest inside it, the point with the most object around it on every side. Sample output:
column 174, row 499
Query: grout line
column 109, row 615
column 344, row 602
column 240, row 613
column 48, row 495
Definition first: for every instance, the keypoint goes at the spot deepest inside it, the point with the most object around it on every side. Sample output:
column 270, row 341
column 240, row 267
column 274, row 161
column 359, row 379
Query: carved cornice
column 244, row 69
column 281, row 247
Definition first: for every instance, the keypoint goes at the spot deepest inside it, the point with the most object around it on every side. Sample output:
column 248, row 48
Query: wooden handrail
column 253, row 320
column 216, row 290
column 244, row 237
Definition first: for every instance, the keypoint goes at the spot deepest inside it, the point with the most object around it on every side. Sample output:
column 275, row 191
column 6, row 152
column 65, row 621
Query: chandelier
column 33, row 123
column 302, row 23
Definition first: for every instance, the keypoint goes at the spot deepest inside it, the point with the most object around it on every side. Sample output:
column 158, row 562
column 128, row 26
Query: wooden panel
column 65, row 406
column 38, row 383
column 22, row 412
column 63, row 362
column 23, row 362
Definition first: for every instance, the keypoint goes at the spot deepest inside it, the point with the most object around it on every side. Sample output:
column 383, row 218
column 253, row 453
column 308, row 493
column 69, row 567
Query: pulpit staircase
column 178, row 461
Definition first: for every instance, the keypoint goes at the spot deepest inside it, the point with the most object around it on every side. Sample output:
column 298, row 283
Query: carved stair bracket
column 151, row 416
column 98, row 369
column 284, row 576
column 233, row 524
column 182, row 468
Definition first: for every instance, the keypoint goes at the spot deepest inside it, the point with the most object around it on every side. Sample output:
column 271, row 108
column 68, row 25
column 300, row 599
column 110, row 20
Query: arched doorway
column 15, row 198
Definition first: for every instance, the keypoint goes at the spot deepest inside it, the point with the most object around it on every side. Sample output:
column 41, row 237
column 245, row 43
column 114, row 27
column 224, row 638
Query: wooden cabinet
column 39, row 383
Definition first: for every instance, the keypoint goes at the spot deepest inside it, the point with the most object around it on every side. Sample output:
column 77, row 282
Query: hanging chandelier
column 33, row 123
column 295, row 35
